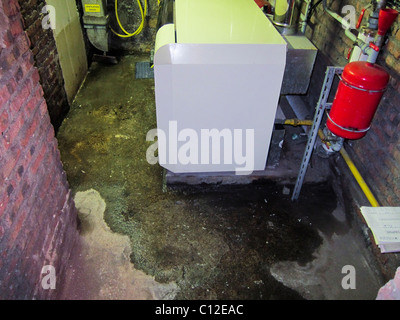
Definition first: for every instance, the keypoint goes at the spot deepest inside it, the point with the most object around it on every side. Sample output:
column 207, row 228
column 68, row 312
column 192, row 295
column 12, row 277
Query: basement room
column 199, row 150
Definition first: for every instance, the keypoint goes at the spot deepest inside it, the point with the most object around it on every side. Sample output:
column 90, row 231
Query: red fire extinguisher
column 359, row 93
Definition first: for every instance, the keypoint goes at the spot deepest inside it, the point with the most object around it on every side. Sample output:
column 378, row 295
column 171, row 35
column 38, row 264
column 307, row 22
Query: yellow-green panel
column 223, row 22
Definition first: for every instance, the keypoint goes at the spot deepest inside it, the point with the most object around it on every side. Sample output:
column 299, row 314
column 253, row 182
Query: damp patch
column 144, row 70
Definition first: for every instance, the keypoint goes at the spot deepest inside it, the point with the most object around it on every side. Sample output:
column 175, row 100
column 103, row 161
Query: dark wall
column 43, row 46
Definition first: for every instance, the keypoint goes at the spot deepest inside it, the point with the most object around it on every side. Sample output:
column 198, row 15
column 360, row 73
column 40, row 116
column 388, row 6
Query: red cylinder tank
column 359, row 93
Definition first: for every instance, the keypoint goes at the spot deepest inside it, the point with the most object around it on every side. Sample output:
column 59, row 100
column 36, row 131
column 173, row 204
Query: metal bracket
column 322, row 105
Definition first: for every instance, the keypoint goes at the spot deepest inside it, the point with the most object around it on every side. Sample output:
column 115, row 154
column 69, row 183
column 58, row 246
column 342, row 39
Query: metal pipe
column 304, row 17
column 345, row 23
column 361, row 182
column 286, row 15
column 374, row 17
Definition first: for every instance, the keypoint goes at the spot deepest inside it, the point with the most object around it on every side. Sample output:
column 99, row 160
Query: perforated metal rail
column 330, row 74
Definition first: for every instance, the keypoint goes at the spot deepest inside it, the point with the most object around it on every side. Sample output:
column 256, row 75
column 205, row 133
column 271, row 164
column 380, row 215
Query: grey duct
column 95, row 20
column 286, row 16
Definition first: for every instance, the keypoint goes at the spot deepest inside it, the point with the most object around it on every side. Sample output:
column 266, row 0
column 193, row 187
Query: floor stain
column 108, row 255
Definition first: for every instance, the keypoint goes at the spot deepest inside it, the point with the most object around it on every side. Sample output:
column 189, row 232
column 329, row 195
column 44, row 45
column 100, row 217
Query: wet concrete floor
column 209, row 241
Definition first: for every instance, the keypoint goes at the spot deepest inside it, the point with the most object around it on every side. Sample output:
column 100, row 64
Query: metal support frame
column 322, row 105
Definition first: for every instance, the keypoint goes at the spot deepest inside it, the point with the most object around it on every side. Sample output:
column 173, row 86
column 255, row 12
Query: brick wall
column 38, row 221
column 45, row 53
column 377, row 155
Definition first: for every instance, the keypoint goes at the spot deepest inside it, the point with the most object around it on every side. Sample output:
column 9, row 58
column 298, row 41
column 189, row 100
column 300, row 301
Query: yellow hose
column 297, row 122
column 139, row 29
column 359, row 178
column 354, row 171
column 346, row 157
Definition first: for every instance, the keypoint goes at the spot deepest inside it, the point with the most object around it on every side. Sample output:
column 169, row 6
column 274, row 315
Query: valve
column 360, row 19
column 349, row 53
column 374, row 46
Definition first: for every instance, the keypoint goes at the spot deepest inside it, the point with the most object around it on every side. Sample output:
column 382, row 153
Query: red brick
column 23, row 93
column 16, row 27
column 40, row 155
column 4, row 121
column 6, row 39
column 8, row 59
column 11, row 134
column 10, row 7
column 29, row 129
column 17, row 201
column 36, row 77
column 11, row 161
column 22, row 43
column 11, row 86
column 4, row 95
column 26, row 64
column 16, row 228
column 3, row 205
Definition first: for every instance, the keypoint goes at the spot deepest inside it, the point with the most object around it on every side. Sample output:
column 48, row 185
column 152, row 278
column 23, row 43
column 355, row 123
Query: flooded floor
column 200, row 242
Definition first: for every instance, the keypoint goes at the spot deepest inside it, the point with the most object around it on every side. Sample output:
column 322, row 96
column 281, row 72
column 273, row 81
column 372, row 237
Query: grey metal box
column 300, row 62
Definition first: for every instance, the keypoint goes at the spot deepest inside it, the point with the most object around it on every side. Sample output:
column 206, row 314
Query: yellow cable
column 297, row 122
column 359, row 178
column 127, row 34
column 363, row 185
column 139, row 29
column 356, row 174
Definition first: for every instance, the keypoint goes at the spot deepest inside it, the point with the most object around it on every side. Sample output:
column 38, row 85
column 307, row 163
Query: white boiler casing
column 220, row 65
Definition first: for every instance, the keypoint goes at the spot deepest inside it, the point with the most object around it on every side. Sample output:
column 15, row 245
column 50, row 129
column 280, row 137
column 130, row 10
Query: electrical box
column 94, row 8
column 95, row 20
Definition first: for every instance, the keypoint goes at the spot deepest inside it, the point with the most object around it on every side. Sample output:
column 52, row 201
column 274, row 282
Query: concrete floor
column 218, row 241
